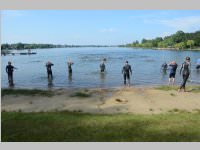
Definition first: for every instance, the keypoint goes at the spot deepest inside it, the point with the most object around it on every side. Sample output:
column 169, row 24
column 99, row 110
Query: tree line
column 21, row 46
column 179, row 40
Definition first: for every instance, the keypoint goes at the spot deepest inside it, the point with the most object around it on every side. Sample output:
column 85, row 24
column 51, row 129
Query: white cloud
column 108, row 30
column 184, row 23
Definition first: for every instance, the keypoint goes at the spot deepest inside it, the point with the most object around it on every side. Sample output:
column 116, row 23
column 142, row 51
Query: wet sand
column 106, row 101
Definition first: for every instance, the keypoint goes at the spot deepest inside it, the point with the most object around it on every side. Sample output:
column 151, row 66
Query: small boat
column 26, row 53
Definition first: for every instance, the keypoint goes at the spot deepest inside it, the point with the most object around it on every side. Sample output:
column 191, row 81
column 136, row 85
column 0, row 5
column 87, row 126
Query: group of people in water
column 126, row 71
column 185, row 71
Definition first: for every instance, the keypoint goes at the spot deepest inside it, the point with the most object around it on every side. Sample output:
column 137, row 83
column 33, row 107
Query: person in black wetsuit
column 164, row 66
column 173, row 66
column 70, row 63
column 102, row 67
column 9, row 70
column 198, row 64
column 185, row 70
column 49, row 71
column 126, row 71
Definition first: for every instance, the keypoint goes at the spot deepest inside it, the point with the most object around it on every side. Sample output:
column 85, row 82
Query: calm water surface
column 145, row 64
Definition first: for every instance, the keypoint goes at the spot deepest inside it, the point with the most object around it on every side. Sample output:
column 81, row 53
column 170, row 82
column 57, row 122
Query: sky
column 99, row 27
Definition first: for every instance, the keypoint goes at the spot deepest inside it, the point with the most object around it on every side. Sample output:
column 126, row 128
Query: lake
column 31, row 72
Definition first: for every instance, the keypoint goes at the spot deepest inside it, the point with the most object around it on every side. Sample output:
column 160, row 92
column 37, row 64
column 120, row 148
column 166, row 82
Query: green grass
column 70, row 126
column 80, row 94
column 167, row 88
column 27, row 92
column 194, row 89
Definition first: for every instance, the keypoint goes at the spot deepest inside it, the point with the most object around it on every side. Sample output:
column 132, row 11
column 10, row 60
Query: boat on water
column 27, row 53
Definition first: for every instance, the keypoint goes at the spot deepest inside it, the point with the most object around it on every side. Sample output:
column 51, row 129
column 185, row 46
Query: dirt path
column 123, row 100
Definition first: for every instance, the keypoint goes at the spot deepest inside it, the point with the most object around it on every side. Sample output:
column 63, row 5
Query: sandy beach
column 106, row 101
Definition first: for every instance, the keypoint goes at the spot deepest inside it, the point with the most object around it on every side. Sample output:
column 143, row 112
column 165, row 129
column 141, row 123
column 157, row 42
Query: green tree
column 180, row 45
column 190, row 43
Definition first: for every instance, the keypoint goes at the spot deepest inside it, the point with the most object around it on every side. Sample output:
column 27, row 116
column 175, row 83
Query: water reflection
column 70, row 77
column 50, row 82
column 102, row 76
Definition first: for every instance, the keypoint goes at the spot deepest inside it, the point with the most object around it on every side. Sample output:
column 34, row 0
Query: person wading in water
column 185, row 70
column 102, row 66
column 9, row 70
column 126, row 71
column 173, row 66
column 49, row 71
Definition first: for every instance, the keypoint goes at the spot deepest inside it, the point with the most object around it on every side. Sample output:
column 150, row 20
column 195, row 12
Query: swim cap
column 187, row 58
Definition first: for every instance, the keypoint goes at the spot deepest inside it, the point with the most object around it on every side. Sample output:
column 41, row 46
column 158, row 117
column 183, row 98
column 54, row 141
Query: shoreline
column 154, row 100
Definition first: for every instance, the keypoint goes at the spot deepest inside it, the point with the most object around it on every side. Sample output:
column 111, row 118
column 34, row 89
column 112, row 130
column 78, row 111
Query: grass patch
column 193, row 89
column 167, row 88
column 74, row 126
column 80, row 94
column 27, row 92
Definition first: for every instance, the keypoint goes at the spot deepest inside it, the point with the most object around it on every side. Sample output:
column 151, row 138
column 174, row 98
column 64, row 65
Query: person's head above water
column 173, row 62
column 187, row 58
column 49, row 62
column 9, row 62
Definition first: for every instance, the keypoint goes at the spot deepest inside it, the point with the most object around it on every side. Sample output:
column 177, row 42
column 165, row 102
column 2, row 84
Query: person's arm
column 181, row 68
column 130, row 70
column 190, row 68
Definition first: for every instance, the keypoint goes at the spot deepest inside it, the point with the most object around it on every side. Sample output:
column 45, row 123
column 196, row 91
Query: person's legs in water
column 171, row 78
column 124, row 79
column 10, row 78
column 70, row 71
column 173, row 81
column 49, row 73
column 128, row 78
column 169, row 81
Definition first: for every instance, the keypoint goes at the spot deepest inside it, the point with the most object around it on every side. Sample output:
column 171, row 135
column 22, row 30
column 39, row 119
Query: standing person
column 173, row 66
column 49, row 71
column 70, row 63
column 198, row 64
column 126, row 71
column 102, row 67
column 9, row 70
column 164, row 66
column 185, row 70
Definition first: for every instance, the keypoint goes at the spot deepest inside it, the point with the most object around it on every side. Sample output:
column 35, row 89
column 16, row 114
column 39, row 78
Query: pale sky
column 101, row 27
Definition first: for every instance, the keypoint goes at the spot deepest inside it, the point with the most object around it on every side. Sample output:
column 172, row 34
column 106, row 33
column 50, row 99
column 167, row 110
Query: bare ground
column 106, row 101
